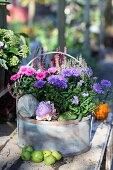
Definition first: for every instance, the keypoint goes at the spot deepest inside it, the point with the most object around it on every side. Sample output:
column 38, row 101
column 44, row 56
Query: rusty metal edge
column 78, row 153
column 54, row 122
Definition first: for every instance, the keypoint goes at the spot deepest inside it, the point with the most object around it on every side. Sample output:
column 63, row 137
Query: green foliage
column 13, row 47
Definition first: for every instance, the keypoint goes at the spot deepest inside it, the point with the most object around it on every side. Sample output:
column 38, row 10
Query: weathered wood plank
column 109, row 152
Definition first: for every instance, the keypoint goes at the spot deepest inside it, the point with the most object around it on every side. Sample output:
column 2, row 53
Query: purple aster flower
column 52, row 79
column 97, row 88
column 75, row 72
column 61, row 78
column 106, row 83
column 39, row 83
column 85, row 94
column 61, row 82
column 66, row 72
column 58, row 80
column 94, row 78
column 88, row 71
column 43, row 109
column 75, row 101
column 79, row 83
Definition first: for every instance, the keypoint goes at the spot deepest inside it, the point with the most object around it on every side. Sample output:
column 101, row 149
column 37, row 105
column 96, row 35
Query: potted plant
column 55, row 104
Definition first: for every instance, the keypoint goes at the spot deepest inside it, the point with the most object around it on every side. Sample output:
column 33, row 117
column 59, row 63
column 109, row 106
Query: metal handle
column 54, row 52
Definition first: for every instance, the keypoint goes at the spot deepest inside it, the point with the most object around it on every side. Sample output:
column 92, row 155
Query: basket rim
column 32, row 121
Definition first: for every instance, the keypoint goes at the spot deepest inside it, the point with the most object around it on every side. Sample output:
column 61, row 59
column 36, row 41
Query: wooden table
column 98, row 157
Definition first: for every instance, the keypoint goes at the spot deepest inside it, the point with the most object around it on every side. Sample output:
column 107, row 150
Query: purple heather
column 106, row 83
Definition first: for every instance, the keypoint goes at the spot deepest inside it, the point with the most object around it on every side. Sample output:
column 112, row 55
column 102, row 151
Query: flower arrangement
column 66, row 91
column 12, row 48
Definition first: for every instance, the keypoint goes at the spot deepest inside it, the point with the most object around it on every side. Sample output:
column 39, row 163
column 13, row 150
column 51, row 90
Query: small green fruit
column 46, row 153
column 27, row 148
column 49, row 160
column 37, row 156
column 26, row 155
column 57, row 155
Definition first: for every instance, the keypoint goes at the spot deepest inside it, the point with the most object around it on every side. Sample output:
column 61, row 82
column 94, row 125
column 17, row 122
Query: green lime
column 26, row 155
column 28, row 148
column 37, row 156
column 46, row 153
column 57, row 155
column 49, row 160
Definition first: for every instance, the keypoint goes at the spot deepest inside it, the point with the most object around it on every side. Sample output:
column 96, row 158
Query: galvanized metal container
column 68, row 137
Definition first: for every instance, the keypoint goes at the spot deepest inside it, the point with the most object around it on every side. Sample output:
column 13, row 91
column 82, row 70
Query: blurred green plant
column 12, row 48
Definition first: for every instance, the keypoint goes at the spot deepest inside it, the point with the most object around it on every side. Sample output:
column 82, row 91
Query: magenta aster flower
column 39, row 83
column 22, row 70
column 1, row 43
column 97, row 88
column 75, row 101
column 52, row 70
column 30, row 71
column 46, row 72
column 14, row 77
column 40, row 75
column 106, row 83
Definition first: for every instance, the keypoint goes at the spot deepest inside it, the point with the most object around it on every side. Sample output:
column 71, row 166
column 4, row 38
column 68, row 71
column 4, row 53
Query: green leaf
column 24, row 37
column 13, row 50
column 80, row 116
column 15, row 90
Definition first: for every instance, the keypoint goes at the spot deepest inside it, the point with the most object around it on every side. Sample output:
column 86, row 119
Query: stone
column 27, row 105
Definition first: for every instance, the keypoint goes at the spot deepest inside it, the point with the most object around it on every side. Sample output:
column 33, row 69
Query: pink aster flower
column 46, row 72
column 52, row 70
column 1, row 43
column 14, row 77
column 30, row 71
column 40, row 75
column 23, row 70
